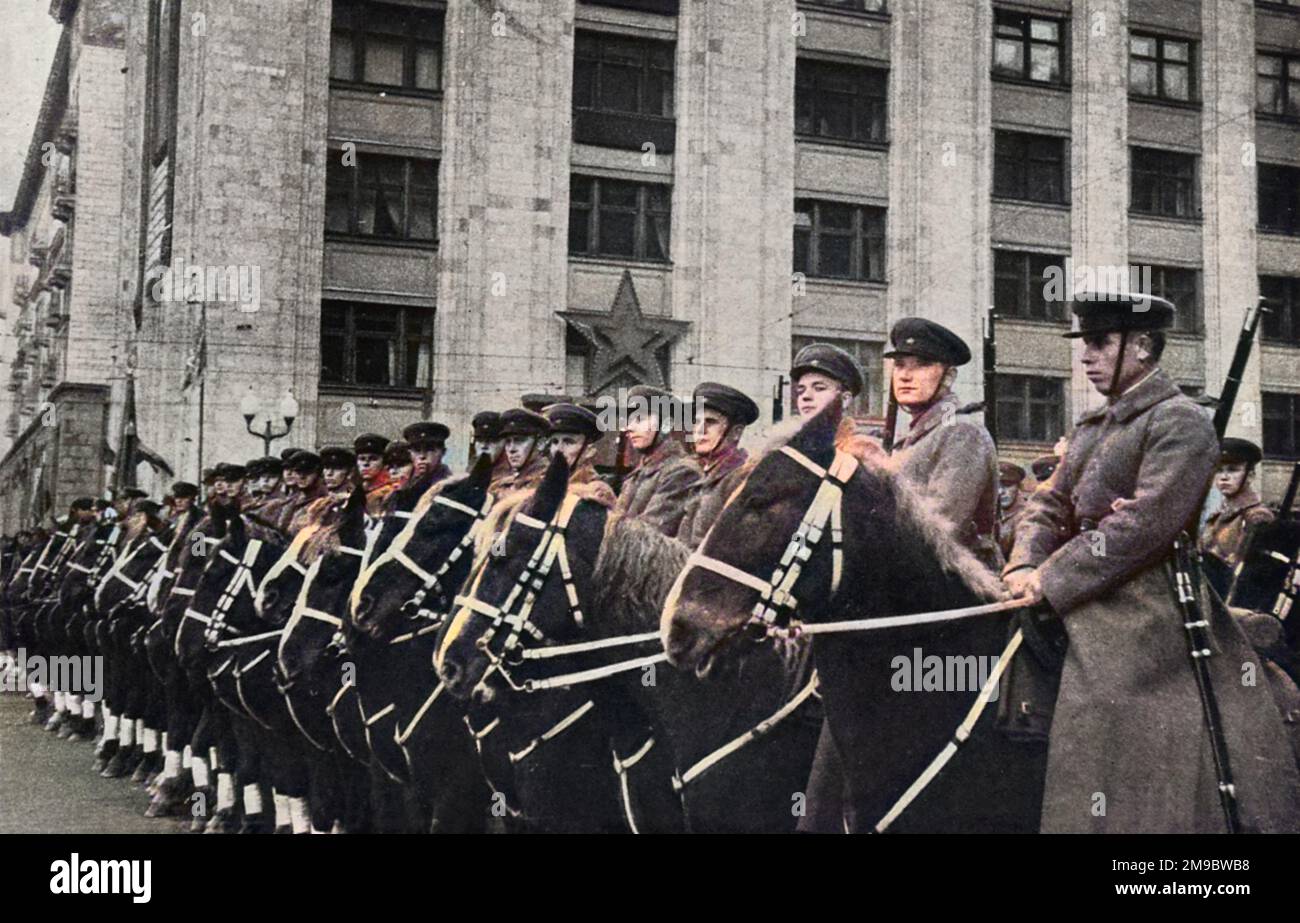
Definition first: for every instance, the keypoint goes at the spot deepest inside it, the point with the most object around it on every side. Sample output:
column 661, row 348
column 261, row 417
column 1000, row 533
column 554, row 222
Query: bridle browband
column 776, row 600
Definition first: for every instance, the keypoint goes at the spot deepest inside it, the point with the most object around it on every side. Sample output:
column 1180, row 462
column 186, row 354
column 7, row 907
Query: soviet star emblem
column 626, row 344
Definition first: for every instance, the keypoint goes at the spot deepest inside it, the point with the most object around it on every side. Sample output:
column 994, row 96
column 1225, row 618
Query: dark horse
column 672, row 734
column 898, row 558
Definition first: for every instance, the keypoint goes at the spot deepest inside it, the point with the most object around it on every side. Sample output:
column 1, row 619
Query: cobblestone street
column 46, row 785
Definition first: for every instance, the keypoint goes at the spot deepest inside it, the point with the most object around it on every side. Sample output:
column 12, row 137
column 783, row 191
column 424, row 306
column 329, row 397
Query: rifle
column 891, row 418
column 1288, row 499
column 990, row 373
column 778, row 400
column 1237, row 368
column 621, row 466
column 1186, row 577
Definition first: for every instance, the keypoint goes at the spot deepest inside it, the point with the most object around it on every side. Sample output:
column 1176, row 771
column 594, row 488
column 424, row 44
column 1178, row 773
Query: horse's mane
column 915, row 514
column 511, row 501
column 634, row 571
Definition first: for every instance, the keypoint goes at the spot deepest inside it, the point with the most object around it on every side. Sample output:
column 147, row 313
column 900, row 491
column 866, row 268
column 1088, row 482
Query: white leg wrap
column 126, row 737
column 187, row 757
column 150, row 740
column 281, row 809
column 225, row 791
column 171, row 764
column 212, row 758
column 199, row 766
column 36, row 689
column 139, row 729
column 88, row 710
column 74, row 705
column 110, row 726
column 299, row 815
column 252, row 799
column 60, row 701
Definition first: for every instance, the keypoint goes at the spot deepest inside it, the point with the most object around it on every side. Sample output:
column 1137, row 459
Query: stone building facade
column 62, row 270
column 414, row 209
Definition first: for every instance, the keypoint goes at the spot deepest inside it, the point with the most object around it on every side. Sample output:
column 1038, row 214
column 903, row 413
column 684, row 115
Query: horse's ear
column 816, row 438
column 481, row 474
column 550, row 493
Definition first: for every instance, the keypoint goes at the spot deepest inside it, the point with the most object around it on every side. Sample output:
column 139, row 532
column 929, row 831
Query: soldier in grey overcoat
column 657, row 490
column 1129, row 751
column 721, row 415
column 949, row 458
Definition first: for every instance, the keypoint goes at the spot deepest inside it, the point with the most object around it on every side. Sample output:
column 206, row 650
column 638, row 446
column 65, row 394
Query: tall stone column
column 1228, row 190
column 503, row 212
column 1099, row 151
column 733, row 194
column 940, row 170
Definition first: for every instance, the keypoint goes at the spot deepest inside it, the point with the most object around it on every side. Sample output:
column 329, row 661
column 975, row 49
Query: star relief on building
column 627, row 345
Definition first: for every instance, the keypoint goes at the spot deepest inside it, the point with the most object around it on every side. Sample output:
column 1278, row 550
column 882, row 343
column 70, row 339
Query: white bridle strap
column 455, row 505
column 400, row 555
column 319, row 615
column 731, row 572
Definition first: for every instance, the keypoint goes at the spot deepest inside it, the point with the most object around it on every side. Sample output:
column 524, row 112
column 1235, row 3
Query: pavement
column 46, row 785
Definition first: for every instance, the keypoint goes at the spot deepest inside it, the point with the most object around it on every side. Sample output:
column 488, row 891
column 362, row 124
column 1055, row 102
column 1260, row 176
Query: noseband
column 551, row 549
column 776, row 600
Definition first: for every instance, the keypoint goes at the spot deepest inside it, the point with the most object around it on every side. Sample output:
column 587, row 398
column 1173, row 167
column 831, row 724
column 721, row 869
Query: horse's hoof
column 255, row 823
column 283, row 829
column 55, row 721
column 103, row 754
column 221, row 822
column 121, row 764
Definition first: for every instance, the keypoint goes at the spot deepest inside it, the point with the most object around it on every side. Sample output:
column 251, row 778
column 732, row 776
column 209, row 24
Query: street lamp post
column 251, row 405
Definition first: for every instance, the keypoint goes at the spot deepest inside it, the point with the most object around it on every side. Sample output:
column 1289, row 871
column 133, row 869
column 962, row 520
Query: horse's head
column 524, row 588
column 222, row 606
column 316, row 631
column 788, row 511
column 127, row 577
column 428, row 559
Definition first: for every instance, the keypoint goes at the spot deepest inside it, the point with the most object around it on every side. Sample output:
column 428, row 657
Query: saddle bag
column 1027, row 698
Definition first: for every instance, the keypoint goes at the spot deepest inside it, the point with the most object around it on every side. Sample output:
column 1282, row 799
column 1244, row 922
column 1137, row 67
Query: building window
column 834, row 240
column 840, row 102
column 395, row 198
column 1030, row 408
column 1282, row 425
column 1163, row 183
column 867, row 353
column 1282, row 322
column 623, row 92
column 387, row 346
column 1183, row 288
column 667, row 7
column 1160, row 67
column 1028, row 47
column 1020, row 285
column 1030, row 167
column 1277, row 85
column 612, row 217
column 857, row 6
column 1279, row 198
column 383, row 45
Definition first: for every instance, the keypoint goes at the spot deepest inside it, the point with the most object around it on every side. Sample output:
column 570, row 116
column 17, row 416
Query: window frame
column 867, row 234
column 870, row 102
column 643, row 214
column 1160, row 287
column 1264, row 193
column 1160, row 61
column 1288, row 86
column 646, row 68
column 1001, row 18
column 1290, row 419
column 1024, row 160
column 1285, row 316
column 364, row 11
column 414, row 326
column 1025, row 276
column 1162, row 178
column 354, row 199
column 1023, row 401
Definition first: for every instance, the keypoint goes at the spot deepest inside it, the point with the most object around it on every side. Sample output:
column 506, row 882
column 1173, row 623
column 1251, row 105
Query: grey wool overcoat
column 1129, row 751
